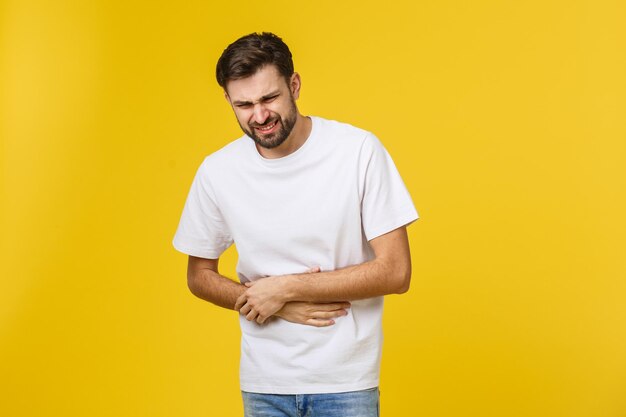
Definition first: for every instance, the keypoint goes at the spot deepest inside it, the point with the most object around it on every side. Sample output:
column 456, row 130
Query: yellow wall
column 506, row 119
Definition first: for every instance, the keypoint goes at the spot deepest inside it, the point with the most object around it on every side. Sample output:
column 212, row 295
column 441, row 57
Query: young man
column 318, row 212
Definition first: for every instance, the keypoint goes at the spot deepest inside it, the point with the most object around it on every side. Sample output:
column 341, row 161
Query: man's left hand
column 265, row 297
column 262, row 299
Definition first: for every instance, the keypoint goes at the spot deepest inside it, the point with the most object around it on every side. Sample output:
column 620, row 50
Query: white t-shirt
column 318, row 206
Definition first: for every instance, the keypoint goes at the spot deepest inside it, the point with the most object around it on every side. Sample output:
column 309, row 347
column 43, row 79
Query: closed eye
column 270, row 98
column 248, row 104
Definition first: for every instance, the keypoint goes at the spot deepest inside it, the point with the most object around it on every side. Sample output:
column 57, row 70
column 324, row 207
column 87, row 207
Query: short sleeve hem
column 399, row 221
column 206, row 253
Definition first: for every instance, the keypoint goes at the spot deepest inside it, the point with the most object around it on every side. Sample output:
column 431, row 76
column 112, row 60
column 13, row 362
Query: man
column 318, row 212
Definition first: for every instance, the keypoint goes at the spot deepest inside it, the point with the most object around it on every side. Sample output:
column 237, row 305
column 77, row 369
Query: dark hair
column 250, row 53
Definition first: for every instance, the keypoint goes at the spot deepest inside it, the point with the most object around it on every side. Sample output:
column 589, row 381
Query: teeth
column 267, row 127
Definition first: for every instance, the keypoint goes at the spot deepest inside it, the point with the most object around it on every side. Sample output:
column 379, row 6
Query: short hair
column 250, row 53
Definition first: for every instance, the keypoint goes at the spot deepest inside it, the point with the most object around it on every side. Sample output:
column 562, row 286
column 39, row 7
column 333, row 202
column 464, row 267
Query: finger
column 240, row 301
column 328, row 314
column 260, row 319
column 314, row 270
column 245, row 309
column 251, row 315
column 320, row 322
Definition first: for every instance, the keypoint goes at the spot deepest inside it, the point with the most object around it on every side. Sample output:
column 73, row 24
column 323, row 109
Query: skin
column 268, row 99
column 388, row 273
column 261, row 98
column 205, row 282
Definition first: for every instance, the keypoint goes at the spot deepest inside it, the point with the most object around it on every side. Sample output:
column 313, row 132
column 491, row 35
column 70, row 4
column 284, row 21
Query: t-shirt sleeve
column 386, row 203
column 202, row 231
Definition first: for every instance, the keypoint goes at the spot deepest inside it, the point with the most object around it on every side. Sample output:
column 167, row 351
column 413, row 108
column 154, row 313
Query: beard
column 274, row 139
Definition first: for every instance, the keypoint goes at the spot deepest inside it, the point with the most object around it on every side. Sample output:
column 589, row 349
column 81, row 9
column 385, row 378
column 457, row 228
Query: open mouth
column 269, row 128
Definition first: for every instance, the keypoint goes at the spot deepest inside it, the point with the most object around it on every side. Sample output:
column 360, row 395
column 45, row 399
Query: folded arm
column 205, row 282
column 388, row 273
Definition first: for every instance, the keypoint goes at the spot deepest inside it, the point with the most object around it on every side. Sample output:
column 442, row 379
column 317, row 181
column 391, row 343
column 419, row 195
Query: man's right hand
column 313, row 314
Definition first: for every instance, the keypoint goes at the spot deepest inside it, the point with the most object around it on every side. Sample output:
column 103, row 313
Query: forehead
column 266, row 80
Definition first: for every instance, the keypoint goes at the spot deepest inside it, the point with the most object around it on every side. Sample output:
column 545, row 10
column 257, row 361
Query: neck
column 297, row 137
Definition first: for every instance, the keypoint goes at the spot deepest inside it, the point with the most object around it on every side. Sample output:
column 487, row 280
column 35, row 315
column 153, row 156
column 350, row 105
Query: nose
column 261, row 113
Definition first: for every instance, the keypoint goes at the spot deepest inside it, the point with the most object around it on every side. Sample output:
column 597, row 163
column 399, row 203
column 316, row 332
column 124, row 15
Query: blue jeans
column 363, row 403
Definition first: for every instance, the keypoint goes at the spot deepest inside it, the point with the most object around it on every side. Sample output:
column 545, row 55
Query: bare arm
column 388, row 273
column 205, row 282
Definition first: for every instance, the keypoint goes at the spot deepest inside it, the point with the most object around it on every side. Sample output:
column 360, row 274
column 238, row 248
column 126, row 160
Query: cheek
column 242, row 116
column 279, row 110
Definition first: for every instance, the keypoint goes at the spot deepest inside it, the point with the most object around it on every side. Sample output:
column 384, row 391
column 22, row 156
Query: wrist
column 287, row 288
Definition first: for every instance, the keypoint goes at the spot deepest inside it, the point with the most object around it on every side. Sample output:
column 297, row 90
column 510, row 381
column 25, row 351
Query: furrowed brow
column 241, row 103
column 270, row 95
column 265, row 97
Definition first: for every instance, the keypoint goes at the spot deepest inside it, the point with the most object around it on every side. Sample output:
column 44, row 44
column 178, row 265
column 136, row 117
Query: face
column 265, row 106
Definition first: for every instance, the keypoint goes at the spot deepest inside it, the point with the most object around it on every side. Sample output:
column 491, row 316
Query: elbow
column 398, row 273
column 192, row 284
column 402, row 281
column 403, row 284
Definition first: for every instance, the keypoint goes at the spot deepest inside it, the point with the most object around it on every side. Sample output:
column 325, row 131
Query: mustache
column 269, row 121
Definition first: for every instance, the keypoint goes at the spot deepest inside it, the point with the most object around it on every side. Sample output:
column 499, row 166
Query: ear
column 294, row 85
column 226, row 96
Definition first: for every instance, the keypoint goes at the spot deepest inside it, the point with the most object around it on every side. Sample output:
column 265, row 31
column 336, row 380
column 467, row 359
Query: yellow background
column 505, row 118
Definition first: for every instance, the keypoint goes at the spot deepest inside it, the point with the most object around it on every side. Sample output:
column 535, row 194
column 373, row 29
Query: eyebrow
column 265, row 97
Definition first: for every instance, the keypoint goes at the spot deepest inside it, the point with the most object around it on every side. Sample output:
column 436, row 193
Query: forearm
column 214, row 288
column 369, row 279
column 388, row 273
